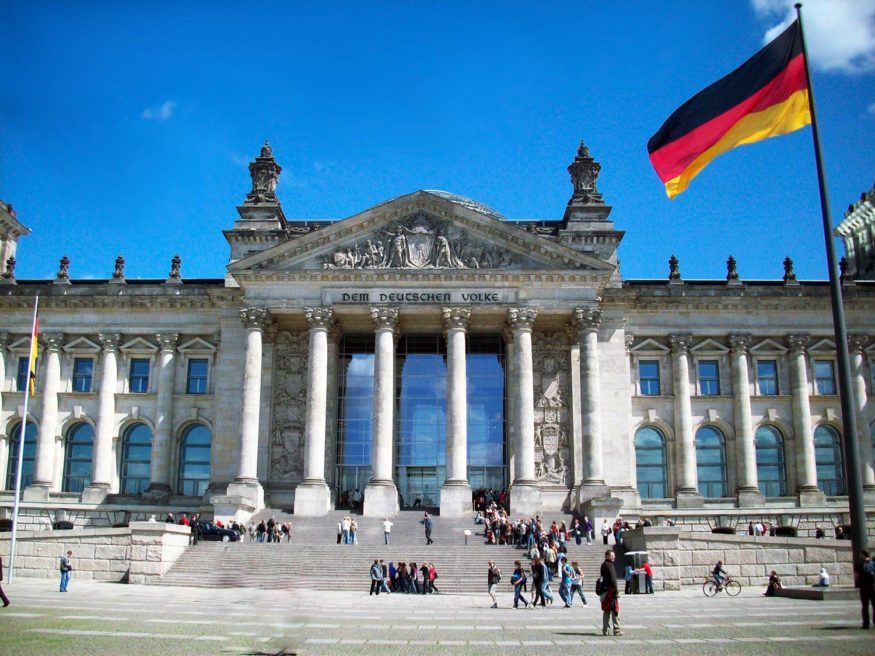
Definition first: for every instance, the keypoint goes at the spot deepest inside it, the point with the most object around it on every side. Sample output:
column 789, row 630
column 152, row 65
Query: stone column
column 381, row 494
column 573, row 335
column 687, row 479
column 588, row 321
column 5, row 445
column 748, row 489
column 312, row 496
column 44, row 467
column 102, row 458
column 806, row 466
column 525, row 495
column 858, row 357
column 246, row 486
column 456, row 491
column 159, row 482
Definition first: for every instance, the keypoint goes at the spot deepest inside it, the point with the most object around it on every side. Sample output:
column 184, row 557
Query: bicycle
column 729, row 585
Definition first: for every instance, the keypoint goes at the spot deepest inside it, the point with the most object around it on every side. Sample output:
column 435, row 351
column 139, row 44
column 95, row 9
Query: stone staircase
column 313, row 560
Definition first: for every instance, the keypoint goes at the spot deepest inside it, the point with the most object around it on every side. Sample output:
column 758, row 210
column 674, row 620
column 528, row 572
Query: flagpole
column 21, row 439
column 853, row 474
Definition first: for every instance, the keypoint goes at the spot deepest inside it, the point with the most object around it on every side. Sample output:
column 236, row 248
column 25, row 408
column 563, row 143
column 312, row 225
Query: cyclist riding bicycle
column 719, row 574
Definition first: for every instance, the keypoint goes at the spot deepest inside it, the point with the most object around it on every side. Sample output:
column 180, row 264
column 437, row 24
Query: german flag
column 765, row 97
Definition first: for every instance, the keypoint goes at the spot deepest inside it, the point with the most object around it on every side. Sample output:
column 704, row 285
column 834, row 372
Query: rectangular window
column 139, row 380
column 82, row 369
column 197, row 376
column 709, row 378
column 824, row 377
column 648, row 376
column 21, row 377
column 767, row 377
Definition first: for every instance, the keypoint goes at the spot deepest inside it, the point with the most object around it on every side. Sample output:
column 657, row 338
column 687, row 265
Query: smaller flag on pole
column 765, row 97
column 33, row 355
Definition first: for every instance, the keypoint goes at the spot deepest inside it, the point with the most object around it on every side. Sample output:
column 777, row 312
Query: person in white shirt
column 387, row 528
column 823, row 579
column 345, row 524
column 606, row 531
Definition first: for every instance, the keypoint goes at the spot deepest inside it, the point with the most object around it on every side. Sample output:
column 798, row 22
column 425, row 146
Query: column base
column 590, row 490
column 525, row 499
column 811, row 496
column 241, row 500
column 381, row 500
column 36, row 492
column 600, row 509
column 750, row 498
column 157, row 493
column 95, row 493
column 312, row 499
column 869, row 496
column 456, row 500
column 689, row 499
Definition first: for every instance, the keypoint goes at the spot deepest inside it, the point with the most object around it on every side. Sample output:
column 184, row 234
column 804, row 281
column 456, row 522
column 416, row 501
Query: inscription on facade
column 427, row 297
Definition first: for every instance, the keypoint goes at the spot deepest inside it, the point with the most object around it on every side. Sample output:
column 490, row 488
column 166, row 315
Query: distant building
column 858, row 232
column 425, row 347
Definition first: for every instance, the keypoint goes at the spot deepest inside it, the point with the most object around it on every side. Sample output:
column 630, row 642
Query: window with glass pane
column 485, row 372
column 136, row 459
column 77, row 458
column 194, row 460
column 771, row 470
column 709, row 378
column 824, row 377
column 828, row 456
column 767, row 377
column 650, row 463
column 139, row 382
column 197, row 376
column 28, row 459
column 711, row 462
column 82, row 370
column 355, row 389
column 648, row 377
column 21, row 377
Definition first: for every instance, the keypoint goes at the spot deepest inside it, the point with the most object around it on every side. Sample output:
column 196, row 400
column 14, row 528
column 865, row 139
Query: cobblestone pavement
column 106, row 618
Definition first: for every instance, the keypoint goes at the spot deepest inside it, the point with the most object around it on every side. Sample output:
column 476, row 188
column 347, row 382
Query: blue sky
column 126, row 128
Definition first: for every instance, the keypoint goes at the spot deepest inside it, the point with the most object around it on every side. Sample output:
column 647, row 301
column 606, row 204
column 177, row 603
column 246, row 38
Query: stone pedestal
column 95, row 493
column 243, row 494
column 36, row 492
column 158, row 494
column 525, row 500
column 456, row 500
column 811, row 497
column 312, row 499
column 589, row 491
column 689, row 499
column 381, row 500
column 750, row 499
column 600, row 509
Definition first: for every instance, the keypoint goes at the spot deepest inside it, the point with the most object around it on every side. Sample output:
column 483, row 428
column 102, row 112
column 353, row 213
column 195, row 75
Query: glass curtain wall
column 486, row 453
column 354, row 412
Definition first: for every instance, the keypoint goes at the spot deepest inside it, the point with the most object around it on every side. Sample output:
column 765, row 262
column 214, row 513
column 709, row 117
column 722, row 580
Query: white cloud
column 160, row 113
column 840, row 34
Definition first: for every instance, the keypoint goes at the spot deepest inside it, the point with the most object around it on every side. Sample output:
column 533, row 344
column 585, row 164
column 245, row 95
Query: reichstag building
column 424, row 348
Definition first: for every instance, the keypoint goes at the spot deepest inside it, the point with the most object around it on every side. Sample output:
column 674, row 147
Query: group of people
column 347, row 530
column 269, row 531
column 405, row 578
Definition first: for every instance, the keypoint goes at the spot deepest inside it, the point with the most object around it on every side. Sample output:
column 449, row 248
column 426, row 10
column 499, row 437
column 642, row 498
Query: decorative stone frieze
column 289, row 406
column 550, row 354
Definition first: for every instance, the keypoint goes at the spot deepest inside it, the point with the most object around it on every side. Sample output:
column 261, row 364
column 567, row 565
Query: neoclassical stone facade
column 423, row 348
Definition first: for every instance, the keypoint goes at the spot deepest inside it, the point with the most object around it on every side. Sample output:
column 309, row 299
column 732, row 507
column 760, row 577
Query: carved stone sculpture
column 289, row 406
column 731, row 269
column 550, row 355
column 674, row 272
column 9, row 274
column 175, row 264
column 119, row 273
column 265, row 173
column 584, row 172
column 64, row 270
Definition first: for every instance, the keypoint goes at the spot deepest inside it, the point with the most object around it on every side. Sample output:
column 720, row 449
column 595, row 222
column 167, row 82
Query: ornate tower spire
column 265, row 173
column 586, row 203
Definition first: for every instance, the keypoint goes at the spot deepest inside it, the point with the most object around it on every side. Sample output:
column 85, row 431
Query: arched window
column 828, row 456
column 771, row 471
column 77, row 459
column 194, row 461
column 136, row 466
column 650, row 463
column 28, row 459
column 711, row 462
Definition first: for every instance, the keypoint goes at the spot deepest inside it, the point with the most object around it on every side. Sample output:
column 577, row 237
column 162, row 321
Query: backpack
column 600, row 585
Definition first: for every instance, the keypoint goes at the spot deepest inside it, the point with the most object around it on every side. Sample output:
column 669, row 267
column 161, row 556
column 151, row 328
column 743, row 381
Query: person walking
column 576, row 583
column 414, row 578
column 866, row 581
column 518, row 581
column 387, row 528
column 566, row 574
column 588, row 530
column 3, row 596
column 66, row 568
column 339, row 531
column 376, row 578
column 432, row 577
column 610, row 597
column 385, row 580
column 426, row 522
column 606, row 531
column 538, row 574
column 493, row 578
column 426, row 582
column 353, row 531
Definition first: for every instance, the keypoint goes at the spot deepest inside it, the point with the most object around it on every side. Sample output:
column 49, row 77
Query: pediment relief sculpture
column 421, row 243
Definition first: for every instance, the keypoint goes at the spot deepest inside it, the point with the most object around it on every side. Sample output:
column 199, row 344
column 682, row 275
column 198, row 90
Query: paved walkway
column 107, row 618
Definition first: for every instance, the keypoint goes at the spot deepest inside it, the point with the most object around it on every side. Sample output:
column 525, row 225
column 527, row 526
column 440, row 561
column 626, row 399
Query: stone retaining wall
column 136, row 554
column 680, row 557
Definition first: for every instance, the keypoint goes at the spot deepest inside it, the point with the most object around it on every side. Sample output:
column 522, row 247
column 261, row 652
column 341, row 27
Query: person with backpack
column 576, row 583
column 493, row 578
column 866, row 581
column 518, row 581
column 606, row 588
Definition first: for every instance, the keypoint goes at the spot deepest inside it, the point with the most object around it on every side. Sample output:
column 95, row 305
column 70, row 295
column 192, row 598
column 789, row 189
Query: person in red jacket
column 648, row 577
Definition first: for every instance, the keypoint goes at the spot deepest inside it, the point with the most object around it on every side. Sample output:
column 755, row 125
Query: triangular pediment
column 824, row 345
column 419, row 232
column 649, row 347
column 139, row 344
column 709, row 346
column 197, row 345
column 768, row 347
column 82, row 344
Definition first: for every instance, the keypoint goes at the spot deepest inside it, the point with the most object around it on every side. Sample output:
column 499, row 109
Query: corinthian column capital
column 254, row 318
column 856, row 343
column 739, row 343
column 521, row 318
column 52, row 341
column 385, row 317
column 587, row 319
column 167, row 341
column 680, row 344
column 110, row 341
column 319, row 318
column 457, row 317
column 798, row 342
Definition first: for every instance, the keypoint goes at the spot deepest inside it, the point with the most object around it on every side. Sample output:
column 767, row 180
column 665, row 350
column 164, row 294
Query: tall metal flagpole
column 21, row 437
column 853, row 474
